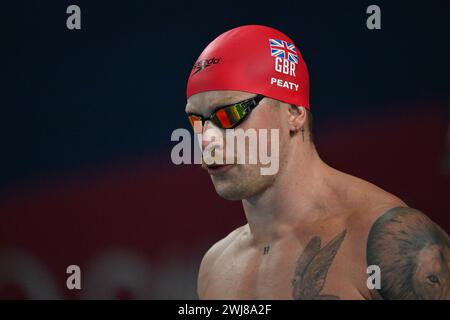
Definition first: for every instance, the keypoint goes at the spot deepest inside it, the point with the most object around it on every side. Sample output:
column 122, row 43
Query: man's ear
column 297, row 118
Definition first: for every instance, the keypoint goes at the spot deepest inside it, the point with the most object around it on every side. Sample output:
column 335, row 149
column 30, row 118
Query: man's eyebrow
column 188, row 108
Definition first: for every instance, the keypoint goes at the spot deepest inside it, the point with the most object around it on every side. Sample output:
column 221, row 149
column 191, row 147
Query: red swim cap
column 255, row 59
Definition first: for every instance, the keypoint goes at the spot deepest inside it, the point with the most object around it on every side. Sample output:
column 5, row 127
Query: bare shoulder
column 411, row 251
column 368, row 202
column 413, row 254
column 211, row 257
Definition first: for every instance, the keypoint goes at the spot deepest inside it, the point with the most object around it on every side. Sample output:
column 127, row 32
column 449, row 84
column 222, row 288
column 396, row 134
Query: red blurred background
column 139, row 229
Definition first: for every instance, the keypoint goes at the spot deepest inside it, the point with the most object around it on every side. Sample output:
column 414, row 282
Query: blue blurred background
column 87, row 115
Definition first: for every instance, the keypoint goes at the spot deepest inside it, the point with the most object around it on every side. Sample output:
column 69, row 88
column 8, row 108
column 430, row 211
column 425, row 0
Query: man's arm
column 209, row 260
column 413, row 254
column 206, row 265
column 202, row 278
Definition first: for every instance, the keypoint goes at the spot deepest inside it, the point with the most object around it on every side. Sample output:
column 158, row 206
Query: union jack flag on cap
column 283, row 49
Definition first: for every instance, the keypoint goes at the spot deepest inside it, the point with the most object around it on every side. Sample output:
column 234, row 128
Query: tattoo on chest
column 266, row 250
column 312, row 268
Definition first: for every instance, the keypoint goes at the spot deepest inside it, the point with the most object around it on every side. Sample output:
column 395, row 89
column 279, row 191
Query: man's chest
column 311, row 271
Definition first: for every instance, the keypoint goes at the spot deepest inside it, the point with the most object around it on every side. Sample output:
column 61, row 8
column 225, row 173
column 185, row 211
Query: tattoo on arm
column 312, row 268
column 413, row 254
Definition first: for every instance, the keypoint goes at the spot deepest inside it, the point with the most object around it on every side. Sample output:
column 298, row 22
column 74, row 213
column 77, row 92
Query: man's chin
column 228, row 190
column 239, row 190
column 228, row 193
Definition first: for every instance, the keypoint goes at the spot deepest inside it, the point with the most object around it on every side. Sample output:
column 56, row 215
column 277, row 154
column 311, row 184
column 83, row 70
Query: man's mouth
column 217, row 168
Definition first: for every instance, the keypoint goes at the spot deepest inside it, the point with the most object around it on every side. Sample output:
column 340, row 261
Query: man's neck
column 290, row 201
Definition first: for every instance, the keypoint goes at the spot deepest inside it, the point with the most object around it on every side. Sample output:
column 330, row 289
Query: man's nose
column 211, row 134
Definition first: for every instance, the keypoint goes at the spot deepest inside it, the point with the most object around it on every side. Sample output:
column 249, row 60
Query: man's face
column 239, row 181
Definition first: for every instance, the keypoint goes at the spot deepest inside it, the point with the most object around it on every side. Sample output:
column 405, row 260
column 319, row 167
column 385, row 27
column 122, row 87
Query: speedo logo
column 203, row 64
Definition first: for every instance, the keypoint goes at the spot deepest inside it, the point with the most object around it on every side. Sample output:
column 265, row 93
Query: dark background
column 87, row 115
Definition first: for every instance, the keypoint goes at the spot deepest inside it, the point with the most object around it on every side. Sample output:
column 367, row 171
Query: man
column 312, row 230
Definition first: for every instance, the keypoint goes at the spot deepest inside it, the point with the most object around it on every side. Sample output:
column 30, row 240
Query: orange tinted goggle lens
column 196, row 123
column 225, row 118
column 228, row 117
